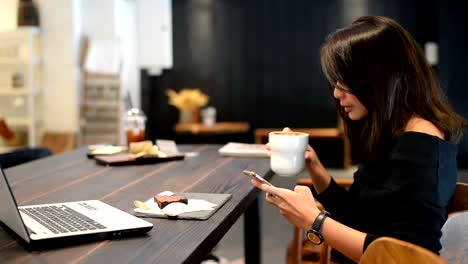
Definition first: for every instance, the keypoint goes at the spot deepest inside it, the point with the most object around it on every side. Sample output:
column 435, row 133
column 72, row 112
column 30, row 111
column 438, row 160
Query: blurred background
column 256, row 60
column 71, row 69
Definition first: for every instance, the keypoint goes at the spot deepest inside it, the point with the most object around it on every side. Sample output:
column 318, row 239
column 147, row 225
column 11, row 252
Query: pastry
column 107, row 150
column 142, row 146
column 164, row 200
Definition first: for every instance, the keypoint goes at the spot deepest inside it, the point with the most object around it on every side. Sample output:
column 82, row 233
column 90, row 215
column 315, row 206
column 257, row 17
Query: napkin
column 175, row 209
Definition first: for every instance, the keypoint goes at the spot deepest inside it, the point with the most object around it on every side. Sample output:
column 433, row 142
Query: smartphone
column 257, row 177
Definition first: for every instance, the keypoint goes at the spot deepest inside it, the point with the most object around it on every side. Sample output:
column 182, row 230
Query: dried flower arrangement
column 187, row 99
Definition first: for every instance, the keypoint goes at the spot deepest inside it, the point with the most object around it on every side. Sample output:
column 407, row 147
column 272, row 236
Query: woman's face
column 351, row 105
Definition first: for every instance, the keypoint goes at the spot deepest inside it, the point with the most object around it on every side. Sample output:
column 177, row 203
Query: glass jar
column 134, row 122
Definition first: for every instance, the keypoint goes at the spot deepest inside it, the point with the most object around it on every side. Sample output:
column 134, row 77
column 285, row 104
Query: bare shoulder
column 418, row 124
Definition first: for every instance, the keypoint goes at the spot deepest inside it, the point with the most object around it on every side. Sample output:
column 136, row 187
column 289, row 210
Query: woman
column 404, row 133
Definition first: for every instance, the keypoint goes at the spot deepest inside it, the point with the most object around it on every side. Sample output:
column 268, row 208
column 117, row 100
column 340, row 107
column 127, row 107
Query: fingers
column 257, row 184
column 272, row 190
column 287, row 129
column 275, row 200
column 270, row 198
column 301, row 189
column 262, row 186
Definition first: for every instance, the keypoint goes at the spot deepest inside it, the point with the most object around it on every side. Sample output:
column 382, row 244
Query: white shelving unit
column 20, row 85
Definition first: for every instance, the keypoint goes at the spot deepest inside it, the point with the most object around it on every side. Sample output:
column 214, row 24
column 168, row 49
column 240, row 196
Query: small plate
column 127, row 159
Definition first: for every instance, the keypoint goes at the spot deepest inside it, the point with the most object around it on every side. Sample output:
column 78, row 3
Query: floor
column 276, row 232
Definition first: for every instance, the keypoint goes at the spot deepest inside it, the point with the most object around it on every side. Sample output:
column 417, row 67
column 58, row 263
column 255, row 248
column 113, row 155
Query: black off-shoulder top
column 405, row 198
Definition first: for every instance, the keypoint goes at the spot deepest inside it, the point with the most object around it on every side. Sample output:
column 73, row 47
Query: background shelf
column 21, row 106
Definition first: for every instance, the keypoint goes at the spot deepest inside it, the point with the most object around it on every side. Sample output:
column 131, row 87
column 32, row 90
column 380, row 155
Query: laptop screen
column 9, row 213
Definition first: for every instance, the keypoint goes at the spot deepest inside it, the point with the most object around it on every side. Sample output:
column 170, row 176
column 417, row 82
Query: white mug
column 287, row 152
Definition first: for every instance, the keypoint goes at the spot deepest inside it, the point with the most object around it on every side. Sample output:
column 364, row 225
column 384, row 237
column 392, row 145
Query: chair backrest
column 459, row 200
column 58, row 142
column 391, row 250
column 454, row 238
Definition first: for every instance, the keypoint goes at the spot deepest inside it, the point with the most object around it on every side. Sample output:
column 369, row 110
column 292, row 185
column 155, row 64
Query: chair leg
column 325, row 253
column 296, row 247
column 347, row 159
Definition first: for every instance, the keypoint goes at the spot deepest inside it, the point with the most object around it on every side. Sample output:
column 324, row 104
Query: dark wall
column 453, row 65
column 258, row 60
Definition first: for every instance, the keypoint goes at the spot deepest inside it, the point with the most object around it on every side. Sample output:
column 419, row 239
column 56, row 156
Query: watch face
column 314, row 237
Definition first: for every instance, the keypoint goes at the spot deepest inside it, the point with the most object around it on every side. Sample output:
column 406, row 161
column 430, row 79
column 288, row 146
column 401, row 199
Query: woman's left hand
column 298, row 206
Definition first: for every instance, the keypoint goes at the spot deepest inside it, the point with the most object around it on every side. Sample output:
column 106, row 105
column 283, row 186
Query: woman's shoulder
column 419, row 131
column 420, row 125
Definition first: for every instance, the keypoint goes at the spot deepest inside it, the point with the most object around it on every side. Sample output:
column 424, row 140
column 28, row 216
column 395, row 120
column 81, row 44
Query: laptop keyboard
column 61, row 219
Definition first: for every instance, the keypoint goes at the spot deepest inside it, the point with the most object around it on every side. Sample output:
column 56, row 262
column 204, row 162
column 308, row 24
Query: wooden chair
column 388, row 250
column 58, row 142
column 300, row 250
column 459, row 200
column 261, row 136
column 454, row 238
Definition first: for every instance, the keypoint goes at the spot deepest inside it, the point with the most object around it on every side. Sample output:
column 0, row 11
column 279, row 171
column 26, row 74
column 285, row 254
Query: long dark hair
column 387, row 71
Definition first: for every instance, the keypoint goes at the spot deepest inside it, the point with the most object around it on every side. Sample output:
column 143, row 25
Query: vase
column 189, row 116
column 196, row 115
column 185, row 116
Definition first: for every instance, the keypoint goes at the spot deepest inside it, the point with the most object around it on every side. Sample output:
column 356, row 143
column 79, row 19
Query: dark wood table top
column 72, row 176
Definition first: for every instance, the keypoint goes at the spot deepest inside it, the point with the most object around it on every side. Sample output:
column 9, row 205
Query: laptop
column 63, row 223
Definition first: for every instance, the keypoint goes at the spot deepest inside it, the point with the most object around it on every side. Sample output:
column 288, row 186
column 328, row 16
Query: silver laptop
column 40, row 225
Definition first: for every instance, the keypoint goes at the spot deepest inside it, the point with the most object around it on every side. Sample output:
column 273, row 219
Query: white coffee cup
column 287, row 152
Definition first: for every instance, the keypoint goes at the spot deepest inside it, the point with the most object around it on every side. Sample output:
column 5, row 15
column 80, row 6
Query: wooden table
column 71, row 176
column 216, row 128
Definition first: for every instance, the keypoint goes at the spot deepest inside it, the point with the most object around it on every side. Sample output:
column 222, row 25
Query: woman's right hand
column 310, row 154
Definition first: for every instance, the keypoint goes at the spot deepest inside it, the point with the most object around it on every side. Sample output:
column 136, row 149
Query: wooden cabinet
column 20, row 86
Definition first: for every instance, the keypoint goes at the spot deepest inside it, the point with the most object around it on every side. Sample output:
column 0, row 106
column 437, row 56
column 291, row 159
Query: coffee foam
column 289, row 133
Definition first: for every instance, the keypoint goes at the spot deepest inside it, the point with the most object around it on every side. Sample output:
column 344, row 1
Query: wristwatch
column 313, row 234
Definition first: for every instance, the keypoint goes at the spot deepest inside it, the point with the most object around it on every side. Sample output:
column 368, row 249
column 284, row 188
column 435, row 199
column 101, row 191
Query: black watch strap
column 313, row 234
column 317, row 225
